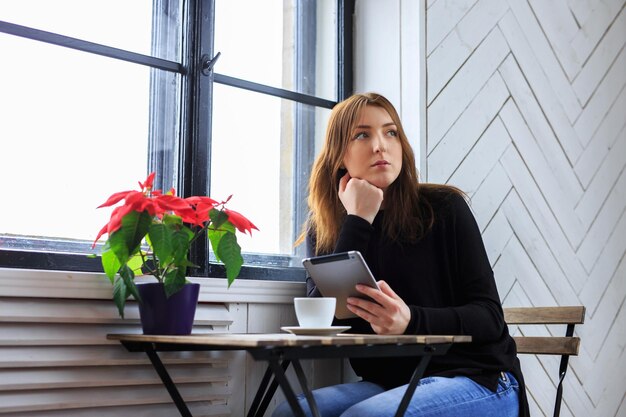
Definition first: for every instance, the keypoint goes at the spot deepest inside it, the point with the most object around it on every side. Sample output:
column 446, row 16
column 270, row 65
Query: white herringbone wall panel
column 526, row 111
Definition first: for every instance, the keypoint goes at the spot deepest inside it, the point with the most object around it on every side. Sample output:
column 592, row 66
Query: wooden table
column 281, row 350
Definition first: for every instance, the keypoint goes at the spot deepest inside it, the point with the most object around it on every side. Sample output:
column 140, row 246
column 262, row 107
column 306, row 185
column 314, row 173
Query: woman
column 423, row 243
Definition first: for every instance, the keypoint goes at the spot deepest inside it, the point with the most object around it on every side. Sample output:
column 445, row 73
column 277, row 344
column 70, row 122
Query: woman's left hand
column 390, row 316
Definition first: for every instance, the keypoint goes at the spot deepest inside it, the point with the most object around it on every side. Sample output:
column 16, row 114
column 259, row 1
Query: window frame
column 194, row 151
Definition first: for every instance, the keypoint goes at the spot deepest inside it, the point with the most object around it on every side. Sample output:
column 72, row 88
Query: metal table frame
column 280, row 357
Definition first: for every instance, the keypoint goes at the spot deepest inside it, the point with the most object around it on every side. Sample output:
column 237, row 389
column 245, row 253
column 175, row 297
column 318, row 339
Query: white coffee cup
column 315, row 312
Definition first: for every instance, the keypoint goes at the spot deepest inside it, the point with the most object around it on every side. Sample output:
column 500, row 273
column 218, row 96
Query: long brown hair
column 407, row 217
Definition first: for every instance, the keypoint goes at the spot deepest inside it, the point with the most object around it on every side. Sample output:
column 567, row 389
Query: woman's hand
column 360, row 198
column 390, row 316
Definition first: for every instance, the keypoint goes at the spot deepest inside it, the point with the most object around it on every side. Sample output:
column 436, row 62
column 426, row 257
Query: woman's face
column 374, row 152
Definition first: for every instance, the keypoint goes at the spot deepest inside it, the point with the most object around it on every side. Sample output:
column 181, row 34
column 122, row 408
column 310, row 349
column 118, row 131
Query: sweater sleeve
column 476, row 308
column 311, row 288
column 354, row 235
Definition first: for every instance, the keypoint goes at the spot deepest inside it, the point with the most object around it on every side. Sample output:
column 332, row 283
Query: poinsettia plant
column 151, row 234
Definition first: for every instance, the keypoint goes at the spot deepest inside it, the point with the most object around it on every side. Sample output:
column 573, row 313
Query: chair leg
column 559, row 388
column 562, row 371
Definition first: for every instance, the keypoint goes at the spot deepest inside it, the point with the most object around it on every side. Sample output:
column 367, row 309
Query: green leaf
column 135, row 263
column 161, row 240
column 119, row 295
column 229, row 227
column 180, row 246
column 118, row 246
column 128, row 276
column 134, row 228
column 218, row 217
column 172, row 219
column 229, row 252
column 126, row 240
column 174, row 281
column 215, row 237
column 190, row 233
column 110, row 264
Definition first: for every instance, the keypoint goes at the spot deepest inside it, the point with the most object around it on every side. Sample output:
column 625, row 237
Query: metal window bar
column 91, row 47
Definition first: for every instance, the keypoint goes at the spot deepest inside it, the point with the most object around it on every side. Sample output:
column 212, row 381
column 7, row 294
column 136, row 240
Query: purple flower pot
column 169, row 316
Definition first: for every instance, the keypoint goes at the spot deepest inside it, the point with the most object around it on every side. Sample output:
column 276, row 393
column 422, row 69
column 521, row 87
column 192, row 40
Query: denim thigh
column 333, row 400
column 445, row 397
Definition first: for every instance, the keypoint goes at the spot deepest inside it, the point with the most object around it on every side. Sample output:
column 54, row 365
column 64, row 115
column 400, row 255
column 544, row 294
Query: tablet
column 336, row 276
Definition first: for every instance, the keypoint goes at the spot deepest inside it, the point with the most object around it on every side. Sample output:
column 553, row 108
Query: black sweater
column 446, row 280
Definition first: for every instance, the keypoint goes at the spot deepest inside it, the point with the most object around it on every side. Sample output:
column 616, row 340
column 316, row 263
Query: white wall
column 389, row 40
column 525, row 108
column 526, row 103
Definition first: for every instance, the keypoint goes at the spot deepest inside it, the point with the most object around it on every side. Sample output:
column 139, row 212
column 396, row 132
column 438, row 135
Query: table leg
column 410, row 389
column 167, row 381
column 305, row 388
column 264, row 394
column 279, row 374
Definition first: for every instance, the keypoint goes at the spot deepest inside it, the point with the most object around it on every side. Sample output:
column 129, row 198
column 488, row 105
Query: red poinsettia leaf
column 188, row 217
column 134, row 196
column 240, row 222
column 116, row 218
column 115, row 222
column 115, row 198
column 149, row 181
column 201, row 200
column 100, row 233
column 137, row 201
column 185, row 214
column 172, row 203
column 202, row 212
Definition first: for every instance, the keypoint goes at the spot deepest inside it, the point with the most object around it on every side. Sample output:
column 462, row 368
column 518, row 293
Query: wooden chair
column 548, row 345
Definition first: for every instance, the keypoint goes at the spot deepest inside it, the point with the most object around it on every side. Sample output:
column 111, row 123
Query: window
column 219, row 97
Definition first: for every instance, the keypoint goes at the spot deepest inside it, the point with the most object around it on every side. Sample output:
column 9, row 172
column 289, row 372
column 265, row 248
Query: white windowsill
column 86, row 285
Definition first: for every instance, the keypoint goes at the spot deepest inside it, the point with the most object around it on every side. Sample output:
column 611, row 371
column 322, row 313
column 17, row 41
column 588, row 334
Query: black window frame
column 193, row 176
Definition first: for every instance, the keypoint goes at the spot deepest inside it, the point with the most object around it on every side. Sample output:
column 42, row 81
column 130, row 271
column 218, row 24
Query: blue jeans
column 434, row 397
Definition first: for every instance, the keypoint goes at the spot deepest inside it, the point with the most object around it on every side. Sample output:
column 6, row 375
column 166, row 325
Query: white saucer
column 315, row 331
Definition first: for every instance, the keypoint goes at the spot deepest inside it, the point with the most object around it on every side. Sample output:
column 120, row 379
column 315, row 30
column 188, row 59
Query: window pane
column 286, row 44
column 253, row 157
column 119, row 23
column 73, row 132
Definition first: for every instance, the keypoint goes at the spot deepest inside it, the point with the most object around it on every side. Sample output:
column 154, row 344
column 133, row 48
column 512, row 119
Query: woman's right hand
column 360, row 198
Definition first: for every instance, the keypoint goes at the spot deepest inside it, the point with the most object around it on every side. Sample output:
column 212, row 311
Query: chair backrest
column 549, row 345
